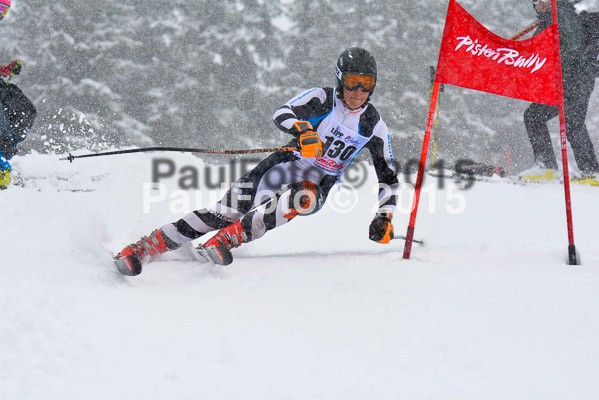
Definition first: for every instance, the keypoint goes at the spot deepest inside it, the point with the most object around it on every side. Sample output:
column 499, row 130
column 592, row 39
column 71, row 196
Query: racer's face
column 355, row 98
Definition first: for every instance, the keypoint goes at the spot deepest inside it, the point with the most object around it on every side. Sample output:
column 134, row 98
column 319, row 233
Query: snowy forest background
column 207, row 73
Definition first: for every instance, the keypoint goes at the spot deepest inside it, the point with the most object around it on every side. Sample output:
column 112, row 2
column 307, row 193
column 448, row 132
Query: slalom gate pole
column 427, row 137
column 562, row 128
column 433, row 72
column 526, row 30
column 183, row 150
column 434, row 160
column 508, row 157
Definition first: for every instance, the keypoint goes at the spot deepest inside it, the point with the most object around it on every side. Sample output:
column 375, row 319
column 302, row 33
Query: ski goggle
column 352, row 81
column 3, row 10
column 535, row 2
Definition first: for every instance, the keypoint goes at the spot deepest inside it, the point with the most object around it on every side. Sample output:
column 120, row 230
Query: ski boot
column 131, row 258
column 5, row 169
column 218, row 248
column 4, row 178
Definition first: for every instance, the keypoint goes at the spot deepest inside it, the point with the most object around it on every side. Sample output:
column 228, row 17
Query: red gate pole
column 562, row 129
column 427, row 138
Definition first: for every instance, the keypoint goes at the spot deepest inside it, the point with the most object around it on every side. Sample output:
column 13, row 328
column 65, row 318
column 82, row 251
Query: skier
column 10, row 134
column 4, row 164
column 329, row 126
column 578, row 83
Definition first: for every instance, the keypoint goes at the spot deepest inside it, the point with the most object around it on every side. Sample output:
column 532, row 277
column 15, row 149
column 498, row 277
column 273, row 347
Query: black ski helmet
column 358, row 61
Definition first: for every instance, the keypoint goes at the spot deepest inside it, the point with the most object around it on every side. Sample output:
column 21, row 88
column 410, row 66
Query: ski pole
column 526, row 30
column 183, row 150
column 420, row 242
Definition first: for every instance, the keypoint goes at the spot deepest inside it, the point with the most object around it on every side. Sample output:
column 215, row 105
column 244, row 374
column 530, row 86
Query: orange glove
column 308, row 140
column 381, row 228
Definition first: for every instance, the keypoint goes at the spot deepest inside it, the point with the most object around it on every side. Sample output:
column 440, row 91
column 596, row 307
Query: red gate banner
column 473, row 57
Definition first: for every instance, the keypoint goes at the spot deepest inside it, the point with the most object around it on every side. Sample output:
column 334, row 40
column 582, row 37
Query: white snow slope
column 487, row 309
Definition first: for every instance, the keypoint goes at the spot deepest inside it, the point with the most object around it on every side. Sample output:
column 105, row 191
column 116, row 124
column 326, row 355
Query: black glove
column 381, row 228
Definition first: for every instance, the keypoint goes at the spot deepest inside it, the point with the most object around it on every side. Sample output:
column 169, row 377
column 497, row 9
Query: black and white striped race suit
column 261, row 198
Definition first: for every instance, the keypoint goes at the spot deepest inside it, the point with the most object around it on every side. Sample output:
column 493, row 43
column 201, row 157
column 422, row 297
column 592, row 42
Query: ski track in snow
column 487, row 309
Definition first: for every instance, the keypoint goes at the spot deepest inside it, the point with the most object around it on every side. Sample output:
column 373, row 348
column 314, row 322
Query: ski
column 587, row 181
column 468, row 179
column 54, row 183
column 130, row 265
column 33, row 183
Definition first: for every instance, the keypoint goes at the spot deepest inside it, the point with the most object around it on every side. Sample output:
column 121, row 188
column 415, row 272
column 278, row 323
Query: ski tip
column 213, row 255
column 200, row 254
column 129, row 266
